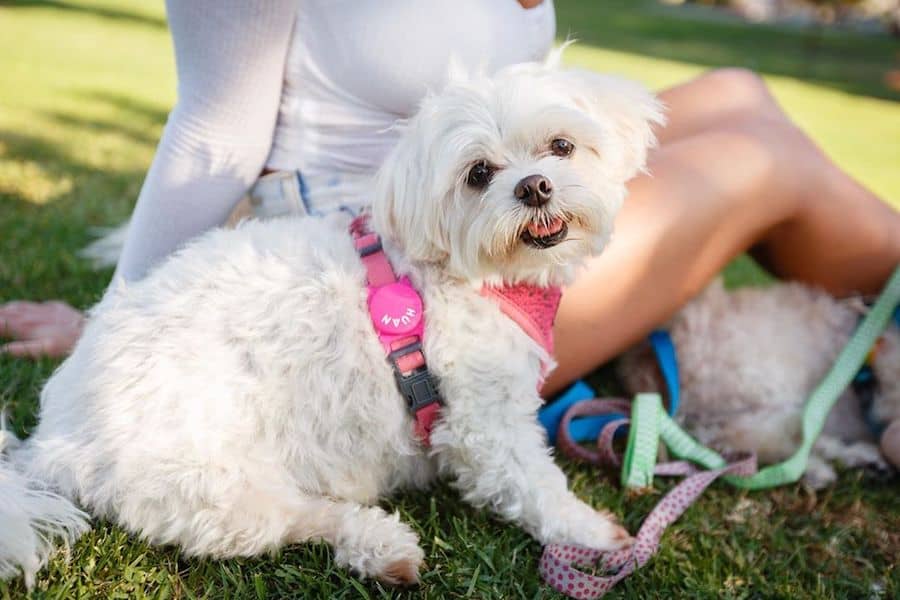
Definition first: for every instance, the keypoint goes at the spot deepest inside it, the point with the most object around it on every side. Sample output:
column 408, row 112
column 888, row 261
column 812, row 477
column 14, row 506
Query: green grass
column 84, row 91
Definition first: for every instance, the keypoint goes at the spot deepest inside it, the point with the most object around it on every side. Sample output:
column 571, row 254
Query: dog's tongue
column 540, row 230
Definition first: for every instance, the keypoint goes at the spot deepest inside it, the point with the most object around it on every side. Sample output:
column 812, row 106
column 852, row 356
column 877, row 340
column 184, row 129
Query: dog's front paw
column 584, row 526
column 819, row 473
column 398, row 561
column 403, row 572
column 864, row 455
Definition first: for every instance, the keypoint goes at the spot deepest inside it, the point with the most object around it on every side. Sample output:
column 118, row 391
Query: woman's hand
column 39, row 329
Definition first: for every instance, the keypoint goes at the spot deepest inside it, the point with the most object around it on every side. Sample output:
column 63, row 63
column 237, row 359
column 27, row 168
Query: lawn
column 84, row 92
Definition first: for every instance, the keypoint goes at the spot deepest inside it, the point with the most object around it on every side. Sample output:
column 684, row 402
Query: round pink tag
column 396, row 308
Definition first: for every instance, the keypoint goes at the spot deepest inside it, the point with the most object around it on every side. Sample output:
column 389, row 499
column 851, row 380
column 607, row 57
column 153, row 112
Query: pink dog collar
column 396, row 311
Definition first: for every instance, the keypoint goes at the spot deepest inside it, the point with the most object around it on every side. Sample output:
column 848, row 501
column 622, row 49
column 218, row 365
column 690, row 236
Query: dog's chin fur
column 237, row 399
column 750, row 358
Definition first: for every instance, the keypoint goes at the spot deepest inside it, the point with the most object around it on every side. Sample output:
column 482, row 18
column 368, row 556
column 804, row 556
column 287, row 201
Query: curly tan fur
column 749, row 359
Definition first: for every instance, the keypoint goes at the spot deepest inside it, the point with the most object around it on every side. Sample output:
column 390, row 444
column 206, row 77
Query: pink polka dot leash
column 560, row 563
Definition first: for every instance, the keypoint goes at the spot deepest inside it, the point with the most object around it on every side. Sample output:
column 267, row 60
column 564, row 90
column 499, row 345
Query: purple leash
column 559, row 562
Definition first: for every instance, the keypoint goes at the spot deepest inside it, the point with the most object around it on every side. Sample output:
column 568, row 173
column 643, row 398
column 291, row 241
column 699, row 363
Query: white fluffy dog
column 750, row 358
column 237, row 399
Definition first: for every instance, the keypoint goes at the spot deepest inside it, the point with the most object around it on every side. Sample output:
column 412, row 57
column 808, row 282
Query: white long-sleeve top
column 313, row 85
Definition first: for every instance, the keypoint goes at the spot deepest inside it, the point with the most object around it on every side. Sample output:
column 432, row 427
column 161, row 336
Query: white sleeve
column 229, row 57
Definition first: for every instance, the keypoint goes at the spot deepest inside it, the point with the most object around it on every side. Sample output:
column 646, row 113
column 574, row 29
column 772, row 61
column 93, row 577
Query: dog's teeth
column 542, row 229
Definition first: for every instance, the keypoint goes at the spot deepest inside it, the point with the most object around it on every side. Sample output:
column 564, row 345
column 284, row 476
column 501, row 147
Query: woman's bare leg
column 732, row 173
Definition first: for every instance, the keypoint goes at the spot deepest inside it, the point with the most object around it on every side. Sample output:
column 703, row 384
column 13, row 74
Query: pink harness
column 396, row 310
column 532, row 308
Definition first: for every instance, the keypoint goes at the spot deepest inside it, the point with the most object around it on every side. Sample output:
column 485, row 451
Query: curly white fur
column 750, row 358
column 237, row 399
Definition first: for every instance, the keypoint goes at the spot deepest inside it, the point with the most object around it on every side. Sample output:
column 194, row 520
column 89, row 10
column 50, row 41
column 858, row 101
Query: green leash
column 650, row 422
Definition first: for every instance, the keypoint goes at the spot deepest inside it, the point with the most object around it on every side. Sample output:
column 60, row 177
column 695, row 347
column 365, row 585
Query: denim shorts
column 292, row 193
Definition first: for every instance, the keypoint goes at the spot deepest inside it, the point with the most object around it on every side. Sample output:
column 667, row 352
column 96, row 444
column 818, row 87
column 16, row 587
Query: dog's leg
column 367, row 539
column 255, row 520
column 851, row 455
column 504, row 464
column 819, row 472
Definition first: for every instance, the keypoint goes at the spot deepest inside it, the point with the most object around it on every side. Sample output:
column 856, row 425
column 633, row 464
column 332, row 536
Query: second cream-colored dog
column 749, row 359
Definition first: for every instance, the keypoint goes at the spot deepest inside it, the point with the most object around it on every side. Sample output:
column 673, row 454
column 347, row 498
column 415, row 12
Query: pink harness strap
column 396, row 311
column 531, row 307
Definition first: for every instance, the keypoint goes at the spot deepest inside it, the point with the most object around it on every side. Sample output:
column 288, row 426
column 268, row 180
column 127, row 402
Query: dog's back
column 199, row 389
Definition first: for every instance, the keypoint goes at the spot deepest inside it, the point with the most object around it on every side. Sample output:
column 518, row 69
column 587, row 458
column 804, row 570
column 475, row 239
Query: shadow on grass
column 149, row 112
column 40, row 241
column 137, row 120
column 849, row 62
column 55, row 164
column 97, row 11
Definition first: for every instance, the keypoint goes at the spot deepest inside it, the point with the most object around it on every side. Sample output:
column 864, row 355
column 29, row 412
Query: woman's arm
column 229, row 57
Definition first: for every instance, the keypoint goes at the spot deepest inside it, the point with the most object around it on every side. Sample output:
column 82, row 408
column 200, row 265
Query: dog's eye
column 480, row 175
column 562, row 147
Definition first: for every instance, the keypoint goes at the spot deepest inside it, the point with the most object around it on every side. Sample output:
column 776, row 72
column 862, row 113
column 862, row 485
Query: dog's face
column 517, row 177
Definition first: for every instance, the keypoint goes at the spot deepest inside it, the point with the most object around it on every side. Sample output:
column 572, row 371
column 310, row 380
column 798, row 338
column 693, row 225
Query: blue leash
column 664, row 350
column 588, row 428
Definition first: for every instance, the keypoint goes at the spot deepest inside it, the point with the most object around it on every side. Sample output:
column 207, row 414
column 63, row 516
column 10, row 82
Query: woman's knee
column 740, row 89
column 750, row 113
column 718, row 99
column 739, row 167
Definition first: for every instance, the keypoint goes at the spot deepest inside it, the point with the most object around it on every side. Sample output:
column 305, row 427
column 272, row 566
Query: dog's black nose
column 534, row 190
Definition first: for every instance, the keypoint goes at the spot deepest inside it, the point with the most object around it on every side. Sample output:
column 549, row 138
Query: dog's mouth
column 545, row 234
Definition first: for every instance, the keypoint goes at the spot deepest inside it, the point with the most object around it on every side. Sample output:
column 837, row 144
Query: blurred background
column 85, row 87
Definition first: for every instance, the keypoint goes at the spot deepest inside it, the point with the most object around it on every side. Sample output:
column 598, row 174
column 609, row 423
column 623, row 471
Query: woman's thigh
column 715, row 98
column 677, row 229
column 731, row 173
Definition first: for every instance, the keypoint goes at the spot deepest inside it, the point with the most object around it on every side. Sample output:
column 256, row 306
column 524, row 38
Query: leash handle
column 614, row 408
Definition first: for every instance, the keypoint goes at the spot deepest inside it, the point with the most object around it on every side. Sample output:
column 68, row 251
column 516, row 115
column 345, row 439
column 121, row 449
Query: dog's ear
column 624, row 108
column 399, row 211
